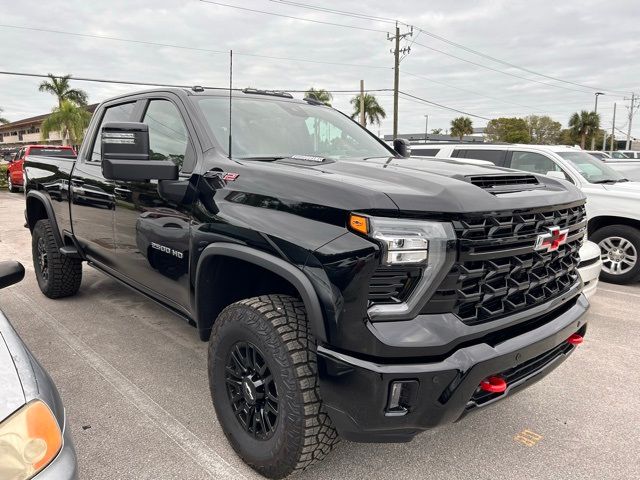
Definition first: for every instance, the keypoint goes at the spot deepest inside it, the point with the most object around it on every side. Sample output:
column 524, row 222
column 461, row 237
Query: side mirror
column 10, row 273
column 402, row 146
column 126, row 154
column 556, row 174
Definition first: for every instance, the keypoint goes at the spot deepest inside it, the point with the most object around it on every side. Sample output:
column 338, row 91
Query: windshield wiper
column 610, row 181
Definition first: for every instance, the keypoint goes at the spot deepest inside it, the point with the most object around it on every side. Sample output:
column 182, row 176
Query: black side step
column 70, row 251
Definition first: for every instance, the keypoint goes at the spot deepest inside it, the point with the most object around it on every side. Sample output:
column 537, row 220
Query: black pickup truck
column 344, row 290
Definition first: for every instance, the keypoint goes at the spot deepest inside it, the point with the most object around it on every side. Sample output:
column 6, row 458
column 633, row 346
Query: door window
column 168, row 137
column 495, row 156
column 533, row 162
column 116, row 113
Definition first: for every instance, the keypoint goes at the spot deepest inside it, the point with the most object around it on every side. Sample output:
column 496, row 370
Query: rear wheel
column 264, row 385
column 12, row 187
column 620, row 247
column 58, row 275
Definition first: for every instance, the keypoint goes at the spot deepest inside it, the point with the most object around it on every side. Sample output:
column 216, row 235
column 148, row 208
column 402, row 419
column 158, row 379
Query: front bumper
column 356, row 391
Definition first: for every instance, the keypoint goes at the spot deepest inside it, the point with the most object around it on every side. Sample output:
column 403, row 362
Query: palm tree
column 59, row 86
column 373, row 112
column 68, row 119
column 584, row 124
column 2, row 119
column 321, row 95
column 461, row 126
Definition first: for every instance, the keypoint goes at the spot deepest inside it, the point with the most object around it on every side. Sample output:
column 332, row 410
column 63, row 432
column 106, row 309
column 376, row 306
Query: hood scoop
column 305, row 160
column 504, row 183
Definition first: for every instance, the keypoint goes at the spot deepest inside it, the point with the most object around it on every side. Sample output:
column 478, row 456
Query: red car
column 14, row 171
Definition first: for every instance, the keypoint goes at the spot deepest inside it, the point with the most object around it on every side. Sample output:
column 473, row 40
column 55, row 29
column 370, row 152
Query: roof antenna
column 230, row 96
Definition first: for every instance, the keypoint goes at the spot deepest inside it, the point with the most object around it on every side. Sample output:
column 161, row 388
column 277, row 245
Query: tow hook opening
column 575, row 339
column 493, row 384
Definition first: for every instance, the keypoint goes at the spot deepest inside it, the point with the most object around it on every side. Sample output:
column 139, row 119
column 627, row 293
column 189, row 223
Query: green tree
column 543, row 130
column 584, row 124
column 68, row 119
column 461, row 126
column 510, row 130
column 373, row 111
column 2, row 119
column 59, row 86
column 436, row 131
column 320, row 94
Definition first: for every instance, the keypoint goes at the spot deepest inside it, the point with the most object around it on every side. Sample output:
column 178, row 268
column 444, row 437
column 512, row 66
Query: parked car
column 613, row 202
column 14, row 170
column 344, row 290
column 633, row 154
column 600, row 155
column 35, row 442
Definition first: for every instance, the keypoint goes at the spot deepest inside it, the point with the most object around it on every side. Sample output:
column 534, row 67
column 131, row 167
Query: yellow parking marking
column 528, row 438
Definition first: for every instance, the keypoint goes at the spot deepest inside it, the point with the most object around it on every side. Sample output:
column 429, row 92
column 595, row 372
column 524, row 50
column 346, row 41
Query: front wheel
column 12, row 187
column 620, row 246
column 264, row 385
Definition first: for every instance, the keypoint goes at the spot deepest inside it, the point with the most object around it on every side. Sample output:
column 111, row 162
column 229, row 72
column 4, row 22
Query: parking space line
column 621, row 292
column 216, row 466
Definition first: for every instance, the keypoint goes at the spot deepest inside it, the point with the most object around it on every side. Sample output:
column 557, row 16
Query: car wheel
column 264, row 385
column 12, row 187
column 58, row 275
column 620, row 247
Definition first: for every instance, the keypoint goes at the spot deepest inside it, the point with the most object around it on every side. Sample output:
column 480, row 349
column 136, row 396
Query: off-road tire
column 277, row 325
column 632, row 235
column 63, row 274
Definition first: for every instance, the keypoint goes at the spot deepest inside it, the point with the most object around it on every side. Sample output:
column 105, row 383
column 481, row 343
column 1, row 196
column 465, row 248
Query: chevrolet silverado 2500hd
column 345, row 291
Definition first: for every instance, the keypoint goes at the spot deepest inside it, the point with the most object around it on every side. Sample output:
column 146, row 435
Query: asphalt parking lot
column 133, row 379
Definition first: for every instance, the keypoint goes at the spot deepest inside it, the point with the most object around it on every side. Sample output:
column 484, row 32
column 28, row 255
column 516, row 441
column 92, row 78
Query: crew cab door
column 92, row 196
column 152, row 220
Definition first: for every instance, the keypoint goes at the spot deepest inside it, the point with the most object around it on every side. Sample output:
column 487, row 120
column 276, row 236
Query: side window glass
column 495, row 156
column 533, row 162
column 117, row 113
column 167, row 132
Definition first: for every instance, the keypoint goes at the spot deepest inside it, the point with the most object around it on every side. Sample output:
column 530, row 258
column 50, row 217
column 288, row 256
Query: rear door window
column 533, row 162
column 424, row 152
column 496, row 156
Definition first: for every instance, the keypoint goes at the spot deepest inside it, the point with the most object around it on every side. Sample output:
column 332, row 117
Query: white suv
column 613, row 202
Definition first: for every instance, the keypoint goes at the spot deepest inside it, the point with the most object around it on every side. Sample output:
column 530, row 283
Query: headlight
column 29, row 440
column 418, row 243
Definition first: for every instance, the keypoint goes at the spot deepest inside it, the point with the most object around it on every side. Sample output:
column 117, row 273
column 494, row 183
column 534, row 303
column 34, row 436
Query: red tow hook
column 575, row 339
column 493, row 385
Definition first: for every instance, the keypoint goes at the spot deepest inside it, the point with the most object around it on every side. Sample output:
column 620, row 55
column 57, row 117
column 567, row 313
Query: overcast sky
column 593, row 43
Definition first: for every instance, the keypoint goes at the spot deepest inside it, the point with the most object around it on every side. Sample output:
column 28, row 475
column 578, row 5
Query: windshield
column 265, row 129
column 592, row 169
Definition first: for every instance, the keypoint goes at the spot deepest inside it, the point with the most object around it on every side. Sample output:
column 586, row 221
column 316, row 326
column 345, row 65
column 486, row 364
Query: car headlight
column 29, row 440
column 407, row 242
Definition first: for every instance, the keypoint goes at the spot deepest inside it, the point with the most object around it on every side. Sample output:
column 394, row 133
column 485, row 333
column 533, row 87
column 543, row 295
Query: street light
column 595, row 110
column 426, row 127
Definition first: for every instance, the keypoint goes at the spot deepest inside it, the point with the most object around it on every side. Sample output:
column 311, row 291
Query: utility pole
column 426, row 127
column 613, row 130
column 396, row 71
column 363, row 119
column 633, row 98
column 595, row 110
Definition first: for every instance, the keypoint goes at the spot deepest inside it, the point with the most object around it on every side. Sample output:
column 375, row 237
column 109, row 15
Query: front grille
column 389, row 285
column 520, row 372
column 499, row 273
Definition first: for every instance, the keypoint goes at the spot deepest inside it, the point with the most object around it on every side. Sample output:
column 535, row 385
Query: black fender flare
column 278, row 266
column 46, row 202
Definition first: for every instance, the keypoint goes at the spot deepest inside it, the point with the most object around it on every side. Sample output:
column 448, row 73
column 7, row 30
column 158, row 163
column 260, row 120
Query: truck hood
column 412, row 185
column 624, row 189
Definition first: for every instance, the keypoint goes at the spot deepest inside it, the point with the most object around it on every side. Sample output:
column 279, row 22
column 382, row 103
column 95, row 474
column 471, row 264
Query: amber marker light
column 358, row 223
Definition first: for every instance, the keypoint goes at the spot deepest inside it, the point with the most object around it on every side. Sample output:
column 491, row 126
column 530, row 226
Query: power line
column 155, row 84
column 184, row 47
column 439, row 38
column 424, row 100
column 472, row 92
column 292, row 17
